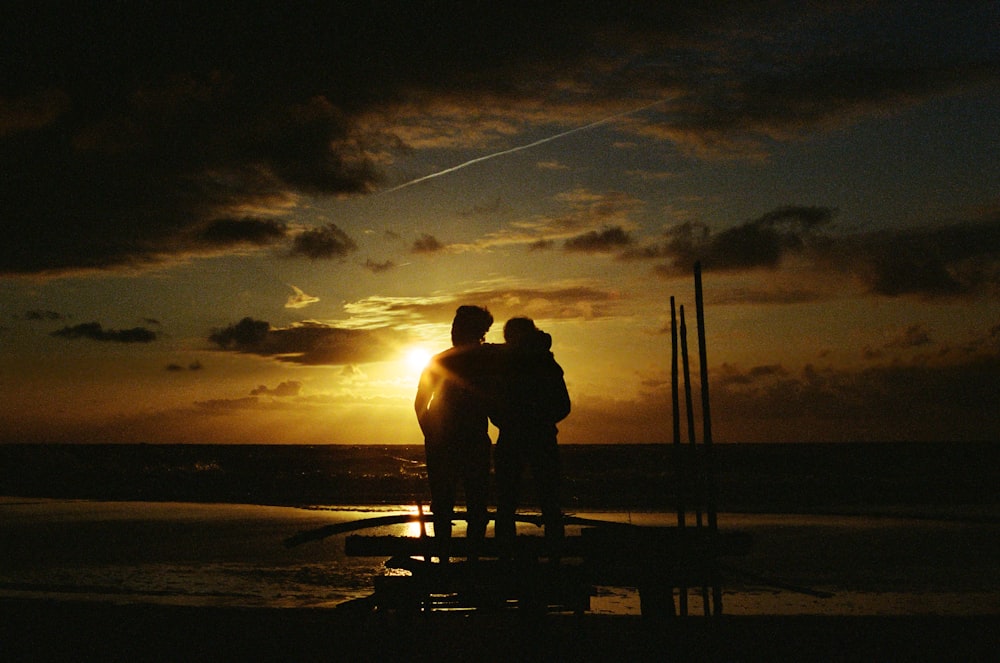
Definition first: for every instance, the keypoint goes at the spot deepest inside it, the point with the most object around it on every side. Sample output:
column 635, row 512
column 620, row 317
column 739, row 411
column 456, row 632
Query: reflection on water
column 219, row 554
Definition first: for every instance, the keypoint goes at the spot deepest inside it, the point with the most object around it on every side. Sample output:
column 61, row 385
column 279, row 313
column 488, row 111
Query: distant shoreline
column 909, row 479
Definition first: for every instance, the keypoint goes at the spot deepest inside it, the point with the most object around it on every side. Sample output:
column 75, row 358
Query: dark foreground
column 81, row 631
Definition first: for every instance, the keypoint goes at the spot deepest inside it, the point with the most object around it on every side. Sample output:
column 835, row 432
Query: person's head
column 519, row 331
column 470, row 325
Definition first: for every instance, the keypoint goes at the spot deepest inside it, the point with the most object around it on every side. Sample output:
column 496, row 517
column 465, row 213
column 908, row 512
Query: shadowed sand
column 34, row 630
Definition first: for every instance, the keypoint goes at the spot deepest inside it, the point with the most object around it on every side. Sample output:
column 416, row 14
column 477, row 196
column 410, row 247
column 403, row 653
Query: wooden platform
column 534, row 575
column 483, row 585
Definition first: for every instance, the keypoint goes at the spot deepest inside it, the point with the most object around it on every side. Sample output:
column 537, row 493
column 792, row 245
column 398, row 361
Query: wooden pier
column 539, row 575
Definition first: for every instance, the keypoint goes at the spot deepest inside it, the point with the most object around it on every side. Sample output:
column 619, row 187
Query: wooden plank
column 596, row 542
column 484, row 585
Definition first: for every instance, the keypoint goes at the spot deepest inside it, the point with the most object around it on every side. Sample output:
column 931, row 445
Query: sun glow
column 416, row 359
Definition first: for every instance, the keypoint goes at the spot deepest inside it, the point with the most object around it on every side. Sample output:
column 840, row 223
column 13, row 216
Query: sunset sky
column 235, row 225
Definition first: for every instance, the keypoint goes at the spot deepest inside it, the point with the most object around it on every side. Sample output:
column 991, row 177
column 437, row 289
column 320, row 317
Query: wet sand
column 34, row 630
column 85, row 631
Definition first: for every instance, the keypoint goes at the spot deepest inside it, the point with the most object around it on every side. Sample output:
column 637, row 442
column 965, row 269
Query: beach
column 911, row 575
column 103, row 581
column 232, row 555
column 82, row 631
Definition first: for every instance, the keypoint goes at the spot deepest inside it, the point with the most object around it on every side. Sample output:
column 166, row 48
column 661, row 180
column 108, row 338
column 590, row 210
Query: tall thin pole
column 695, row 470
column 689, row 408
column 713, row 524
column 680, row 484
column 678, row 475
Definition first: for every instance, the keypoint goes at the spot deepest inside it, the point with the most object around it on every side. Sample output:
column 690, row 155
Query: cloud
column 193, row 366
column 911, row 337
column 299, row 299
column 231, row 232
column 223, row 405
column 328, row 241
column 758, row 243
column 283, row 390
column 134, row 136
column 379, row 267
column 95, row 332
column 246, row 334
column 589, row 221
column 955, row 259
column 31, row 111
column 559, row 301
column 605, row 241
column 901, row 400
column 309, row 343
column 43, row 315
column 427, row 244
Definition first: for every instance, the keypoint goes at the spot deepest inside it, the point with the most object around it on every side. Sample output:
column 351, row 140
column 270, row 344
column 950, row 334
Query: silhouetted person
column 531, row 400
column 452, row 405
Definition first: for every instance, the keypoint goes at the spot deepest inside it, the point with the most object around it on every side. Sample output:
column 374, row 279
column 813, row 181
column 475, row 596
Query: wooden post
column 680, row 467
column 696, row 469
column 678, row 473
column 713, row 524
column 692, row 438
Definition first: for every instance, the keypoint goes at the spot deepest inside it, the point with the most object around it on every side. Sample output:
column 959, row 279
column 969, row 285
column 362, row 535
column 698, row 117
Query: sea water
column 233, row 555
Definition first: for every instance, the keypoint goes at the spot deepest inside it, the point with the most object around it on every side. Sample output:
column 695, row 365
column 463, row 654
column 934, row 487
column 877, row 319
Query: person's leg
column 507, row 463
column 442, row 480
column 546, row 472
column 477, row 489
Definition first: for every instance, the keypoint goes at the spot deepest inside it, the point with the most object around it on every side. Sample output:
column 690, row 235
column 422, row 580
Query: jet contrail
column 511, row 150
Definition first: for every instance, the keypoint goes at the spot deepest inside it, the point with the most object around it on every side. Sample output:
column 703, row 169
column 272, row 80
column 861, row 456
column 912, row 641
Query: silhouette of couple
column 518, row 385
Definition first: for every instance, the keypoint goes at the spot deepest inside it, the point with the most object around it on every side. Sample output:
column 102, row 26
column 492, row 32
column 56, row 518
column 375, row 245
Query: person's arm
column 425, row 395
column 559, row 402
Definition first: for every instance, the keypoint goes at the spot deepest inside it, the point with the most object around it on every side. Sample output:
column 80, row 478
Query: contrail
column 518, row 148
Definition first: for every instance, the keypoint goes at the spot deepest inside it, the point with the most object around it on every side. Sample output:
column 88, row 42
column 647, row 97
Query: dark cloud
column 43, row 315
column 948, row 260
column 379, row 267
column 911, row 337
column 193, row 366
column 283, row 390
column 605, row 241
column 95, row 332
column 756, row 374
column 328, row 241
column 222, row 405
column 248, row 230
column 131, row 134
column 914, row 401
column 309, row 343
column 773, row 295
column 426, row 244
column 246, row 335
column 759, row 243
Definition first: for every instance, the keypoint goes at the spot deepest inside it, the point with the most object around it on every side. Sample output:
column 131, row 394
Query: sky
column 252, row 222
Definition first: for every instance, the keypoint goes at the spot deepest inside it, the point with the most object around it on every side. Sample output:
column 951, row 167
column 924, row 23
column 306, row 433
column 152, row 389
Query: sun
column 417, row 359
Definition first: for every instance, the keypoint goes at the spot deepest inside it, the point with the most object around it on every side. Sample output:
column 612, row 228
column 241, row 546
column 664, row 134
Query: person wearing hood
column 532, row 400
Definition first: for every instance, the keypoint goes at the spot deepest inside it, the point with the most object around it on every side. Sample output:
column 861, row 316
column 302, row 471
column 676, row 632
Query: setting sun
column 417, row 358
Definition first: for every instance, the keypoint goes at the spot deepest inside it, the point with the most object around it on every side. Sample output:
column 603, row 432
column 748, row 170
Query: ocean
column 837, row 529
